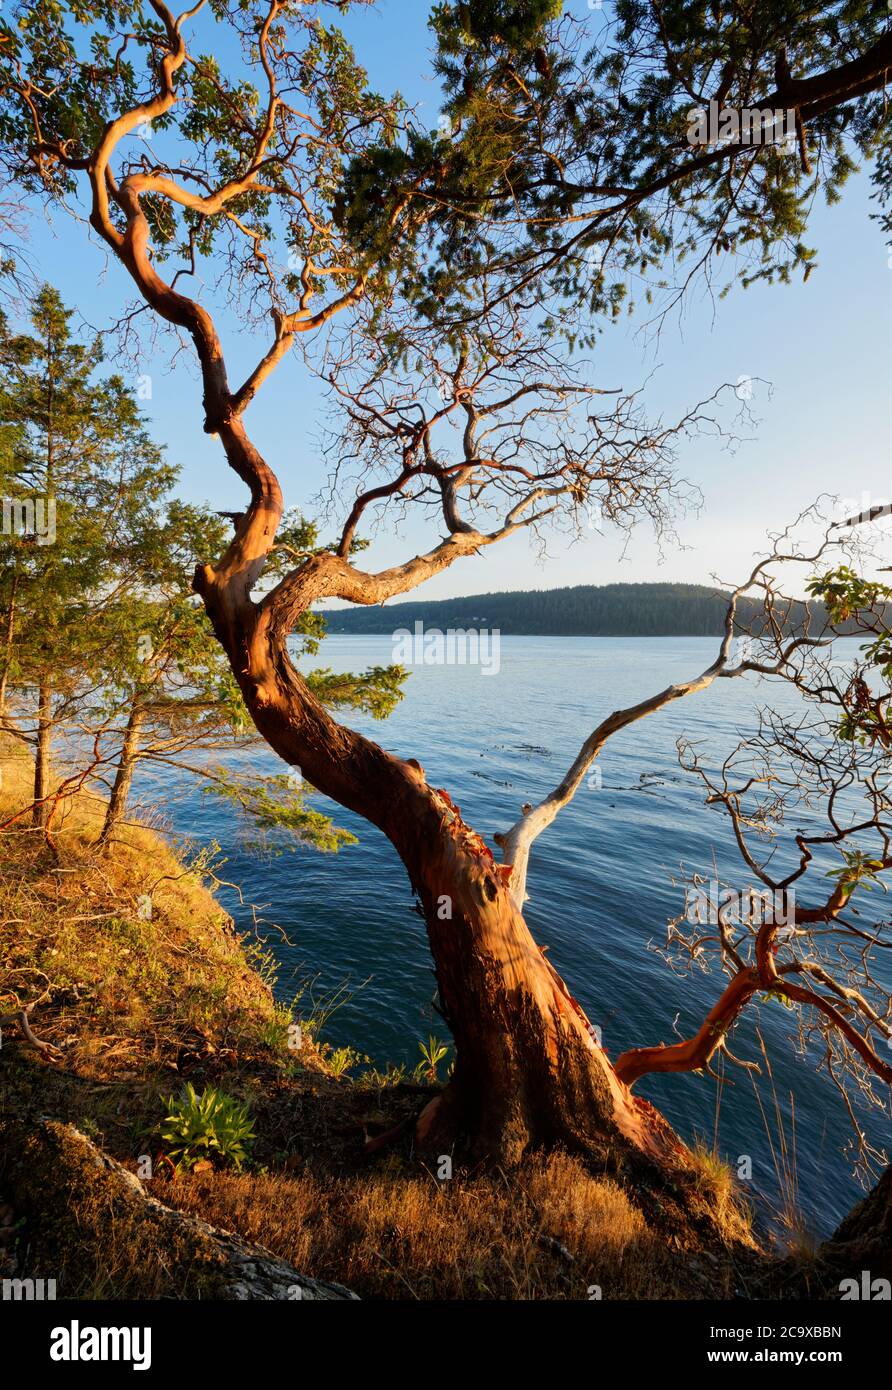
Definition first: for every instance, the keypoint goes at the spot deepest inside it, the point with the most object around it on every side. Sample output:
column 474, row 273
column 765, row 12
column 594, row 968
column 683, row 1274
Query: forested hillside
column 608, row 610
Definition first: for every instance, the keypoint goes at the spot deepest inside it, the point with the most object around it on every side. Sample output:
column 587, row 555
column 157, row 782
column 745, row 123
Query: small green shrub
column 340, row 1060
column 433, row 1052
column 209, row 1126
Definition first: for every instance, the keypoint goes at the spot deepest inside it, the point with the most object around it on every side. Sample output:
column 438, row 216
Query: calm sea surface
column 600, row 883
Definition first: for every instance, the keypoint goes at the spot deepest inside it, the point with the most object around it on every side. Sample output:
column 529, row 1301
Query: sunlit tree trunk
column 528, row 1069
column 120, row 792
column 9, row 637
column 43, row 755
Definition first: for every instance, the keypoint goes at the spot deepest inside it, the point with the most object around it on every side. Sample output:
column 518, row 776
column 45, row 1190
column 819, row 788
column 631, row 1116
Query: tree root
column 20, row 1016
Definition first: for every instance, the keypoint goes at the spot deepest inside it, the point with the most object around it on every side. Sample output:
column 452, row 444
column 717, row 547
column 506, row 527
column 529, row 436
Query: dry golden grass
column 548, row 1230
column 135, row 1005
column 128, row 997
column 716, row 1182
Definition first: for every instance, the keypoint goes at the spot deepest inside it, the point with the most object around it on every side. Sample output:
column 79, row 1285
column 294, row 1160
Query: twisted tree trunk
column 528, row 1069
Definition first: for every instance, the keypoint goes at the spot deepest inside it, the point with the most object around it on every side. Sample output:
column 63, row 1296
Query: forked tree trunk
column 528, row 1070
column 120, row 792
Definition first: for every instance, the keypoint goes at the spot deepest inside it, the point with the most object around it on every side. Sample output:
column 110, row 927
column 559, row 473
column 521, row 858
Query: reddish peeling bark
column 693, row 1053
column 528, row 1071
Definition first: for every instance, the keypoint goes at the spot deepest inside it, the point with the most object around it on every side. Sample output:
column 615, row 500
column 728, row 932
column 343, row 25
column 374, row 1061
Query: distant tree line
column 583, row 610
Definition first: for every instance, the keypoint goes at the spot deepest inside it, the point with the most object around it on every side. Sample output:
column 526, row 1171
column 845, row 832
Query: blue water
column 600, row 880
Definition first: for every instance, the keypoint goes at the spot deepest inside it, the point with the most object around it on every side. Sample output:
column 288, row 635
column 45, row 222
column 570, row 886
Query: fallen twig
column 21, row 1018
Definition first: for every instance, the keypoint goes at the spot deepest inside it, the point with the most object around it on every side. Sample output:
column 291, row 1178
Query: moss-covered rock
column 92, row 1226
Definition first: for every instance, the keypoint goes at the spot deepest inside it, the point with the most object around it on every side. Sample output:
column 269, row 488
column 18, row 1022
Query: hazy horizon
column 402, row 600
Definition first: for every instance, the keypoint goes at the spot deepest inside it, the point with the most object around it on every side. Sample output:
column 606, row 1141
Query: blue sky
column 824, row 346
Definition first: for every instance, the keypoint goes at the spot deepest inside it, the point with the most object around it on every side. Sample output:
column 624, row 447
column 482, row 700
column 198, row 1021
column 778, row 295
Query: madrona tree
column 466, row 262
